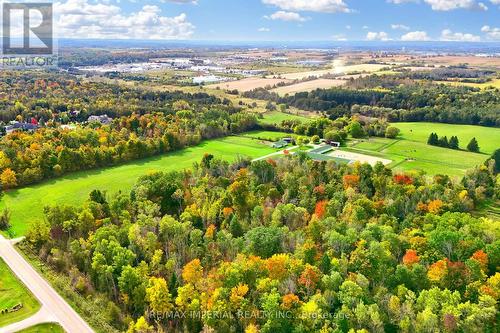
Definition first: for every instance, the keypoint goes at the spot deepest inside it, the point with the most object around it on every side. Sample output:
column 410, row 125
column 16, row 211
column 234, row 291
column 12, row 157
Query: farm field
column 267, row 135
column 44, row 328
column 408, row 154
column 277, row 117
column 308, row 86
column 335, row 70
column 488, row 137
column 12, row 293
column 26, row 204
column 247, row 84
column 494, row 83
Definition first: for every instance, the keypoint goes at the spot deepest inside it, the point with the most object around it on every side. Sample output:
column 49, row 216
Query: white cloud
column 400, row 27
column 286, row 16
column 491, row 33
column 194, row 2
column 415, row 36
column 446, row 5
column 377, row 36
column 401, row 1
column 82, row 19
column 339, row 37
column 264, row 29
column 448, row 35
column 495, row 2
column 324, row 6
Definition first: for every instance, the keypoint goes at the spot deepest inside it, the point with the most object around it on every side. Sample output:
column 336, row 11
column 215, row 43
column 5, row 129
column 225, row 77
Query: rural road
column 53, row 307
column 281, row 152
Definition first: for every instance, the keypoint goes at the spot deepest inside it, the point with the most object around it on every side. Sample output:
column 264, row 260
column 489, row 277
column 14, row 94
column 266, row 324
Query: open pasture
column 411, row 151
column 248, row 84
column 26, row 204
column 276, row 117
column 495, row 83
column 487, row 137
column 309, row 86
column 340, row 69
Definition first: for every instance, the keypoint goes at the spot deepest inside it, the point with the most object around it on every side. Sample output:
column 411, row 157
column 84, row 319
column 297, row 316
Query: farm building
column 104, row 119
column 280, row 144
column 20, row 127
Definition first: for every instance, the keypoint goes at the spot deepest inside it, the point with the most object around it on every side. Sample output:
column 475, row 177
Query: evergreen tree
column 496, row 161
column 443, row 142
column 433, row 139
column 473, row 146
column 453, row 144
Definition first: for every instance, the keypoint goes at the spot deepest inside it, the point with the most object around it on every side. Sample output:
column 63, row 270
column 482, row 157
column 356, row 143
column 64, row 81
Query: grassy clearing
column 12, row 293
column 488, row 137
column 267, row 135
column 277, row 117
column 410, row 155
column 309, row 86
column 495, row 83
column 44, row 328
column 414, row 155
column 411, row 152
column 247, row 84
column 26, row 204
column 368, row 68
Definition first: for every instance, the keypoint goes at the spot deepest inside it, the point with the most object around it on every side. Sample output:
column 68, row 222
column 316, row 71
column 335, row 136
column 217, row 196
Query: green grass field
column 411, row 151
column 44, row 328
column 12, row 293
column 410, row 155
column 488, row 137
column 26, row 204
column 268, row 135
column 495, row 83
column 277, row 117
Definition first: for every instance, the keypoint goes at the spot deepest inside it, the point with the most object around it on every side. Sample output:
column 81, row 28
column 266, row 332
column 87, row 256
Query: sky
column 280, row 20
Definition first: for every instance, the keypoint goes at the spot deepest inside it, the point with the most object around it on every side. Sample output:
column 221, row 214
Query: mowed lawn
column 44, row 328
column 12, row 293
column 268, row 135
column 277, row 117
column 26, row 204
column 411, row 151
column 487, row 137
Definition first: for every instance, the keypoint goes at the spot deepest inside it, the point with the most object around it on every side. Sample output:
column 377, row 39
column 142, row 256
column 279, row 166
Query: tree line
column 452, row 143
column 412, row 102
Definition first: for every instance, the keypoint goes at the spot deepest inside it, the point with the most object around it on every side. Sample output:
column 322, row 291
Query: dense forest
column 290, row 245
column 400, row 100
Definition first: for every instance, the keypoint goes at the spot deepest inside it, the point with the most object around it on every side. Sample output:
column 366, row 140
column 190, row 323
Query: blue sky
column 254, row 20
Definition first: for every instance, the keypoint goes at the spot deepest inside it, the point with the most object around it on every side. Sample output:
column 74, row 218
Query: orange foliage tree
column 350, row 181
column 435, row 206
column 410, row 257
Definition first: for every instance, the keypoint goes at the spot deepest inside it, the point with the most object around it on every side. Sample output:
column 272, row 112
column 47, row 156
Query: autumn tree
column 8, row 179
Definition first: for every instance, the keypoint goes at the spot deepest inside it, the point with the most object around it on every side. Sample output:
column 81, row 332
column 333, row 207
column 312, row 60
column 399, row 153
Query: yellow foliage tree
column 8, row 179
column 193, row 271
